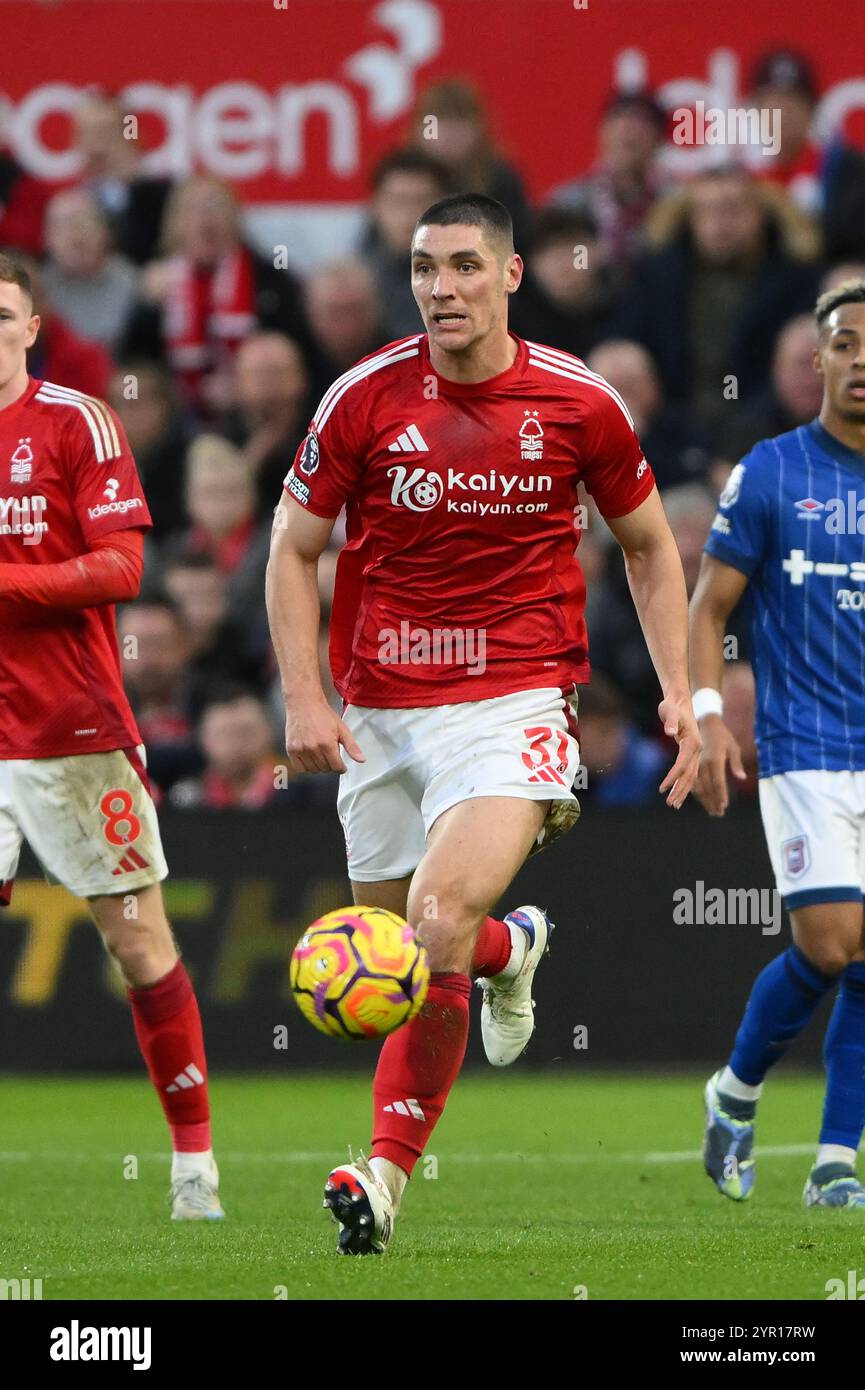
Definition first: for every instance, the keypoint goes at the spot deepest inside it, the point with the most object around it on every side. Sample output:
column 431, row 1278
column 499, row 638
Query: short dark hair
column 848, row 292
column 229, row 692
column 152, row 368
column 643, row 102
column 155, row 597
column 561, row 224
column 411, row 162
column 472, row 210
column 785, row 70
column 12, row 272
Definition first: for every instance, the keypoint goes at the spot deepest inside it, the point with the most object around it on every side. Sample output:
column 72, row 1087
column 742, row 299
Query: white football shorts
column 815, row 831
column 422, row 761
column 89, row 819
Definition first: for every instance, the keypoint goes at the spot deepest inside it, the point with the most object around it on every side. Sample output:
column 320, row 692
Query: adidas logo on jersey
column 186, row 1079
column 411, row 441
column 409, row 1108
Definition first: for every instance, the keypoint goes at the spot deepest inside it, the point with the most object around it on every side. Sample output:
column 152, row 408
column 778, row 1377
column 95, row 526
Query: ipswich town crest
column 796, row 856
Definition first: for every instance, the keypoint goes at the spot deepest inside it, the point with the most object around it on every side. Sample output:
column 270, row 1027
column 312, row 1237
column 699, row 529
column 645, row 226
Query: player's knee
column 438, row 905
column 448, row 948
column 139, row 948
column 446, row 921
column 829, row 957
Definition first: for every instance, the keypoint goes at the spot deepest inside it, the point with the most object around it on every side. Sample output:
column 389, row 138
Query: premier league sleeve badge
column 309, row 458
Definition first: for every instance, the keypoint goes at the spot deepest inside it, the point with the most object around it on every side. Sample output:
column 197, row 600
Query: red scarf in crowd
column 209, row 312
column 226, row 551
column 219, row 793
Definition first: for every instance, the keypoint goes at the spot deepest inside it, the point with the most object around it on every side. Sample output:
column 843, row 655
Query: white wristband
column 706, row 701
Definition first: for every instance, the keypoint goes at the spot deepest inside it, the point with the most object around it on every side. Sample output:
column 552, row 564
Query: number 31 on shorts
column 546, row 747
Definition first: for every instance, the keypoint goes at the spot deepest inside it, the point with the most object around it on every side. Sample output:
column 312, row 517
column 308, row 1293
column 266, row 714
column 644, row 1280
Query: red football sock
column 168, row 1027
column 492, row 948
column 416, row 1068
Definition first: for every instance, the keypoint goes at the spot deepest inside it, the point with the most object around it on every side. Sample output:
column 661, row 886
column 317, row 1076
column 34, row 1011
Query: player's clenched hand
column 720, row 749
column 680, row 724
column 313, row 735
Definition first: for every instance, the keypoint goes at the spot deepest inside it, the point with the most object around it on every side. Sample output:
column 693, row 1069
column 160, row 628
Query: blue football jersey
column 792, row 518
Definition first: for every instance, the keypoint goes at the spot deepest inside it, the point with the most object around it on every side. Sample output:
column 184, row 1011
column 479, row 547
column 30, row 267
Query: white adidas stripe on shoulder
column 563, row 364
column 588, row 379
column 570, row 359
column 360, row 367
column 397, row 353
column 99, row 409
column 96, row 413
column 98, row 431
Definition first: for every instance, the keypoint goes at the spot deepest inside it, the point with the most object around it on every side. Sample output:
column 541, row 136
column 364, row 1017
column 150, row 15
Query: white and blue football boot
column 728, row 1146
column 507, row 1015
column 834, row 1185
column 195, row 1197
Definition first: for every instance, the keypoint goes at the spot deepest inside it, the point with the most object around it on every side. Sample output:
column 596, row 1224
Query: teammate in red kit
column 72, row 775
column 457, row 643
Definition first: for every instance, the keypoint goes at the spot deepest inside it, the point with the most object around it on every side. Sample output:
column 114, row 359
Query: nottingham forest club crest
column 21, row 463
column 310, row 455
column 531, row 436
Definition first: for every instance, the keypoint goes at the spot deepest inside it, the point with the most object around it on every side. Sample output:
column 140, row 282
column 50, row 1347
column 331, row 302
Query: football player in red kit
column 72, row 776
column 457, row 644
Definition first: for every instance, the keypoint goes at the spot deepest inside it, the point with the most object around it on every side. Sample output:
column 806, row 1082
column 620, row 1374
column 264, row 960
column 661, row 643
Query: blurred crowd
column 693, row 298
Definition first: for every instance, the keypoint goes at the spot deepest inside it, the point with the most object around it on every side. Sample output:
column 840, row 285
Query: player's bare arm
column 657, row 586
column 718, row 590
column 313, row 731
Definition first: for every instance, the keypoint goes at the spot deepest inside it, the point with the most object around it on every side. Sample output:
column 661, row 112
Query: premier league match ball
column 359, row 973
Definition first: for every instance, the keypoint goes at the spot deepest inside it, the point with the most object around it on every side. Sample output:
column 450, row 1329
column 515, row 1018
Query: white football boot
column 195, row 1197
column 362, row 1207
column 507, row 1015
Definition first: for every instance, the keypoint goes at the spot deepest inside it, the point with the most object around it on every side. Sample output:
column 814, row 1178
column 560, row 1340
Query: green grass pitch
column 542, row 1187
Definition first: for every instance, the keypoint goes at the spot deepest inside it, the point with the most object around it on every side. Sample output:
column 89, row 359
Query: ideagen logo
column 127, row 504
column 242, row 130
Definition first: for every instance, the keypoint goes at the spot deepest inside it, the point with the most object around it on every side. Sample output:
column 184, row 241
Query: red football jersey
column 459, row 578
column 67, row 476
